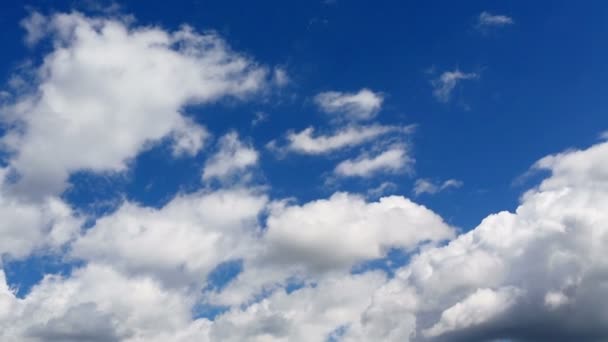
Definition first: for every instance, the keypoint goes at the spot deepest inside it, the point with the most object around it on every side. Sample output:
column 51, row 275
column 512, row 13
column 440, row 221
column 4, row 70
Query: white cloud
column 178, row 243
column 308, row 314
column 365, row 230
column 548, row 255
column 35, row 28
column 96, row 304
column 306, row 142
column 394, row 159
column 537, row 273
column 487, row 20
column 534, row 273
column 188, row 138
column 482, row 305
column 425, row 186
column 26, row 226
column 300, row 240
column 362, row 105
column 447, row 82
column 383, row 188
column 232, row 157
column 108, row 90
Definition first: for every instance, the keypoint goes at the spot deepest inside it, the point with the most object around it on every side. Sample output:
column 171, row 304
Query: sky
column 332, row 170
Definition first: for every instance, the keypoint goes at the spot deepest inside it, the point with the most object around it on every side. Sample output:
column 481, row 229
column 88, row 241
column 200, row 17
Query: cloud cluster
column 108, row 90
column 306, row 269
column 390, row 153
column 518, row 275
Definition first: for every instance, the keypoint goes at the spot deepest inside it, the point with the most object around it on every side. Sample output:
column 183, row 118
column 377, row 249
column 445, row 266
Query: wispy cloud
column 362, row 105
column 425, row 186
column 447, row 82
column 487, row 20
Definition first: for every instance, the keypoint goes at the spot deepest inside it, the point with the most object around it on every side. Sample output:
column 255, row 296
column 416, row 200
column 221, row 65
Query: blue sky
column 468, row 96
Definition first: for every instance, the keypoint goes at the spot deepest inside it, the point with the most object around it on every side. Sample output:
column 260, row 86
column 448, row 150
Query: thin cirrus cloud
column 426, row 186
column 307, row 142
column 488, row 20
column 444, row 85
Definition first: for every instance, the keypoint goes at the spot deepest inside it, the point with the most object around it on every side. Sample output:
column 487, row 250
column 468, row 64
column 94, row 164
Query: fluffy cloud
column 107, row 89
column 447, row 81
column 180, row 243
column 538, row 273
column 394, row 159
column 362, row 105
column 300, row 240
column 425, row 186
column 517, row 275
column 95, row 304
column 232, row 157
column 188, row 138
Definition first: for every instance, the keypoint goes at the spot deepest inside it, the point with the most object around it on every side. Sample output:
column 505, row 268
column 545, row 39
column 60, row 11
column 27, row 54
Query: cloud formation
column 308, row 269
column 362, row 105
column 447, row 82
column 109, row 89
column 487, row 20
column 232, row 157
column 426, row 186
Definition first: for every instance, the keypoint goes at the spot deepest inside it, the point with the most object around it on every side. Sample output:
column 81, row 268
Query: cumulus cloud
column 518, row 275
column 447, row 82
column 300, row 240
column 27, row 226
column 232, row 157
column 426, row 186
column 537, row 273
column 179, row 243
column 109, row 89
column 394, row 159
column 487, row 20
column 362, row 105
